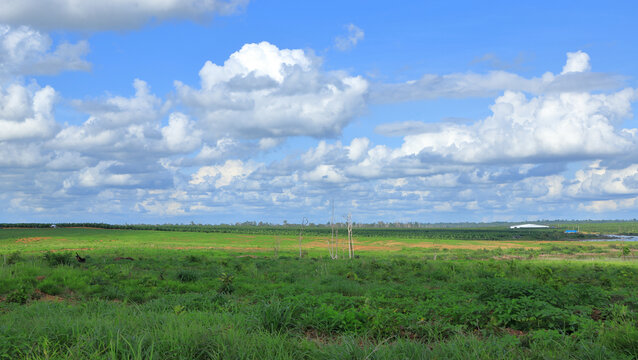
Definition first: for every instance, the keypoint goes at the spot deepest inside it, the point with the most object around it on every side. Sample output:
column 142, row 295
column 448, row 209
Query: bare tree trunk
column 350, row 240
column 304, row 222
column 333, row 248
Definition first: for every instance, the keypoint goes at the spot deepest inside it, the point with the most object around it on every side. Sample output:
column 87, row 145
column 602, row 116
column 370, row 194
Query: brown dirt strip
column 74, row 249
column 32, row 239
column 396, row 246
column 46, row 297
column 215, row 248
column 86, row 227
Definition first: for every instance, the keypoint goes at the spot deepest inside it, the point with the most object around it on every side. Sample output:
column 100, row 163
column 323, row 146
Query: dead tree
column 333, row 243
column 304, row 222
column 350, row 240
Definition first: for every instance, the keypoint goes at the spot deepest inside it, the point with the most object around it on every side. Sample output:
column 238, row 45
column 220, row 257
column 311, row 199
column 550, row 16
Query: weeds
column 58, row 258
column 226, row 286
column 187, row 276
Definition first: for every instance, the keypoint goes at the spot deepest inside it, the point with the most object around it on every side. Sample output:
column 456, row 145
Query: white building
column 529, row 226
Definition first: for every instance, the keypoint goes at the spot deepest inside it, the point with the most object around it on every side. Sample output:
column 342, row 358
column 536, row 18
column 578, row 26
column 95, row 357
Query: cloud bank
column 550, row 145
column 109, row 14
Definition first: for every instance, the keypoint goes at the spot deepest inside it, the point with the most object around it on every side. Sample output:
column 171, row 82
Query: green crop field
column 244, row 293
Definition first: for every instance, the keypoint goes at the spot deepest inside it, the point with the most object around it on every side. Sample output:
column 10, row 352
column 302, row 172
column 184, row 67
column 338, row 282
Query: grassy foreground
column 166, row 295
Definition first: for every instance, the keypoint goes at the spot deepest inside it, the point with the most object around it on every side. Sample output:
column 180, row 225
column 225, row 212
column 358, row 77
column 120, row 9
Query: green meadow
column 247, row 294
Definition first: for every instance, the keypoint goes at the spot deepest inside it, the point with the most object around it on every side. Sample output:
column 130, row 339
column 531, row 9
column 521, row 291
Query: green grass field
column 198, row 295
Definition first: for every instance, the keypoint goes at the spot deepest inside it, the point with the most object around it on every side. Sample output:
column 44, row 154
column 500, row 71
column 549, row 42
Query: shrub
column 14, row 258
column 50, row 288
column 226, row 286
column 19, row 296
column 61, row 258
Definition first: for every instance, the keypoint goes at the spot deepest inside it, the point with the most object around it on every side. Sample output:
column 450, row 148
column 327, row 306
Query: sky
column 224, row 111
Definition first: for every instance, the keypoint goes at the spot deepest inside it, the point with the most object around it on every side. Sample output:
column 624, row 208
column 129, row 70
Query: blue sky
column 224, row 111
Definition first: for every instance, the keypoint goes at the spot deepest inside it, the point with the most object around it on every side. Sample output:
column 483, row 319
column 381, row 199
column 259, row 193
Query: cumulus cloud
column 597, row 180
column 26, row 112
column 576, row 62
column 263, row 91
column 222, row 175
column 567, row 126
column 355, row 34
column 129, row 127
column 139, row 154
column 109, row 14
column 358, row 147
column 600, row 206
column 324, row 173
column 160, row 208
column 181, row 136
column 17, row 155
column 100, row 175
column 574, row 77
column 25, row 51
column 119, row 111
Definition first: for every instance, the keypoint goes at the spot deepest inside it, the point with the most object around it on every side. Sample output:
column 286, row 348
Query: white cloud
column 600, row 206
column 26, row 112
column 109, row 14
column 99, row 176
column 324, row 173
column 358, row 147
column 262, row 91
column 119, row 111
column 161, row 208
column 119, row 124
column 575, row 77
column 18, row 155
column 136, row 153
column 576, row 62
column 355, row 34
column 25, row 51
column 222, row 148
column 181, row 135
column 565, row 126
column 600, row 181
column 222, row 175
column 67, row 160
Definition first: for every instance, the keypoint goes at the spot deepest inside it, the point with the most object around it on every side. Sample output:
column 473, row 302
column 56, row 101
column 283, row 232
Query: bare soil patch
column 70, row 249
column 40, row 296
column 237, row 248
column 86, row 227
column 324, row 245
column 32, row 239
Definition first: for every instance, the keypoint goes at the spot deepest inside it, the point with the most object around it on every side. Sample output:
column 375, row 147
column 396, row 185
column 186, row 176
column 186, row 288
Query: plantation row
column 292, row 230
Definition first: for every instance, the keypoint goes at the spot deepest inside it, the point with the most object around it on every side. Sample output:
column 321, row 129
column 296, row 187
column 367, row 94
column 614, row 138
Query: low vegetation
column 160, row 295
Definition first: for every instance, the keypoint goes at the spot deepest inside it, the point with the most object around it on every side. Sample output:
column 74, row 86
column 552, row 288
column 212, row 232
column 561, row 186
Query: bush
column 14, row 258
column 226, row 286
column 193, row 258
column 50, row 288
column 61, row 258
column 19, row 296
